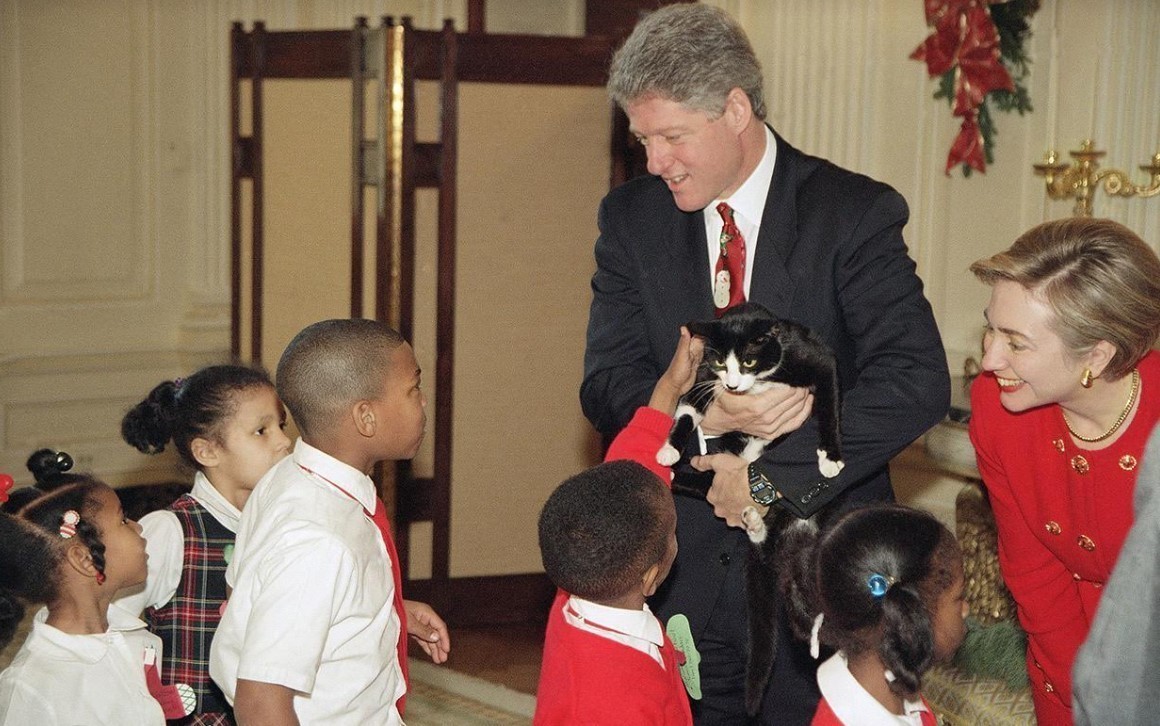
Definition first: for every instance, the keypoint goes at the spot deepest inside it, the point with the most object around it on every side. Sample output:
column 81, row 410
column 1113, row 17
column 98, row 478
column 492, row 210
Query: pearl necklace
column 1119, row 420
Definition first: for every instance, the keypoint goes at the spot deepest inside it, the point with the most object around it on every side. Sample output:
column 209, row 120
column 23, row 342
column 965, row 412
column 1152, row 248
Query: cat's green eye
column 750, row 363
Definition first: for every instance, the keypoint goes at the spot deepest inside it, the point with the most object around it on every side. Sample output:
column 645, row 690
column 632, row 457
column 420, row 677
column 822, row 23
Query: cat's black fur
column 746, row 350
column 763, row 350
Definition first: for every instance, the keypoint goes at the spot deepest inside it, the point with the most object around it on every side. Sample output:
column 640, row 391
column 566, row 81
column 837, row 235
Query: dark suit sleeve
column 619, row 373
column 895, row 380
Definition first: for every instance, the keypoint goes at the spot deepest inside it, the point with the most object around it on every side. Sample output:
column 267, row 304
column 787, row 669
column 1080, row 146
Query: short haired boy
column 608, row 539
column 309, row 634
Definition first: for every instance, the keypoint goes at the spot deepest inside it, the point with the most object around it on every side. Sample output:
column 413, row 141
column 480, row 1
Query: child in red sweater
column 608, row 539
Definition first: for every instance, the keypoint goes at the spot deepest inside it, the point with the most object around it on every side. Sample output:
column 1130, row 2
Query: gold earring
column 1086, row 379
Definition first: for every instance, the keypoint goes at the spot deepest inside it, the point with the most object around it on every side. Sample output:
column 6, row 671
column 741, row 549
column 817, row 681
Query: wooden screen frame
column 449, row 58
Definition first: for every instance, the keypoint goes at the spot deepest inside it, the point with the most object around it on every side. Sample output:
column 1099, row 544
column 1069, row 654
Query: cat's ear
column 701, row 328
column 773, row 332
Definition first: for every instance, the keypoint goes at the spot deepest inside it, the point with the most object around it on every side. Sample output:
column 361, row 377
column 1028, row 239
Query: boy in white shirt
column 309, row 634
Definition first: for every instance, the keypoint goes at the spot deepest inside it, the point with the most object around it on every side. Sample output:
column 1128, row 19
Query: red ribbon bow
column 965, row 39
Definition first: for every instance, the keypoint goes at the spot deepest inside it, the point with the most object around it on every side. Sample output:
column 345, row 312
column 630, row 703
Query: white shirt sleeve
column 165, row 544
column 289, row 623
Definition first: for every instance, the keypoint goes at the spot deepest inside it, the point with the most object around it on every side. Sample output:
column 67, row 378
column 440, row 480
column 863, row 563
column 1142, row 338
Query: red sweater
column 588, row 679
column 1061, row 523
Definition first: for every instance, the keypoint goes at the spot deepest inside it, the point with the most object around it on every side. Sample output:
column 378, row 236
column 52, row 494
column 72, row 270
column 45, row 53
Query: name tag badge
column 721, row 289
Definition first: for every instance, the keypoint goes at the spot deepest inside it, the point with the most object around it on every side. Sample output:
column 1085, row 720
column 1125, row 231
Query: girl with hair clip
column 72, row 549
column 226, row 422
column 883, row 585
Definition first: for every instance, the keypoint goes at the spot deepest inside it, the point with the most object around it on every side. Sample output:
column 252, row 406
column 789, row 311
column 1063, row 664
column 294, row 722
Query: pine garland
column 1011, row 22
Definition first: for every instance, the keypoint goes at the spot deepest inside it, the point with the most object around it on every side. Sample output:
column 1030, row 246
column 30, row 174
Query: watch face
column 764, row 495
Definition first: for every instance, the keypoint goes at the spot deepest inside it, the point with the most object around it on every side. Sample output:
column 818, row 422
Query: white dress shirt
column 638, row 629
column 312, row 605
column 853, row 704
column 165, row 543
column 58, row 678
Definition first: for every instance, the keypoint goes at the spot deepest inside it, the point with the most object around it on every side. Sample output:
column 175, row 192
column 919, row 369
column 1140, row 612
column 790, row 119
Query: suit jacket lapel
column 693, row 298
column 771, row 284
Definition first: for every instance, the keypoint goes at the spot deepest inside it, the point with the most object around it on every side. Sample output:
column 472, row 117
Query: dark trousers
column 707, row 584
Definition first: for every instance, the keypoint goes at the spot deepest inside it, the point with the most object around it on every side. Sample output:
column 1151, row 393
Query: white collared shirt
column 59, row 678
column 165, row 543
column 853, row 704
column 312, row 605
column 638, row 629
column 748, row 204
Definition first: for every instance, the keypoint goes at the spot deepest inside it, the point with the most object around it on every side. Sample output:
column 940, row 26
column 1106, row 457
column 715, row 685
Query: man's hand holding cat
column 729, row 494
column 775, row 412
column 681, row 373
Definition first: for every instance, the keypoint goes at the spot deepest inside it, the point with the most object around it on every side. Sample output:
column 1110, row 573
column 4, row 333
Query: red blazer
column 1062, row 515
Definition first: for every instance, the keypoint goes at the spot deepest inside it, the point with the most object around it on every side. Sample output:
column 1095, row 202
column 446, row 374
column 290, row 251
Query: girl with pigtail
column 226, row 423
column 71, row 549
column 883, row 586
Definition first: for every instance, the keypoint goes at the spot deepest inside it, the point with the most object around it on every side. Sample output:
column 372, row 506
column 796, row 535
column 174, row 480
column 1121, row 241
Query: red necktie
column 380, row 520
column 729, row 275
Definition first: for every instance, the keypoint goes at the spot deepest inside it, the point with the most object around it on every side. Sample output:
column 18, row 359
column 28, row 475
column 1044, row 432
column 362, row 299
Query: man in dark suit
column 823, row 247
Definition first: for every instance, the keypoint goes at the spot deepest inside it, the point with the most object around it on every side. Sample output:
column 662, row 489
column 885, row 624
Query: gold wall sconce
column 1081, row 178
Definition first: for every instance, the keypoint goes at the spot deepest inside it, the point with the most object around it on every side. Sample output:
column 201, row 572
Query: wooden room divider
column 402, row 81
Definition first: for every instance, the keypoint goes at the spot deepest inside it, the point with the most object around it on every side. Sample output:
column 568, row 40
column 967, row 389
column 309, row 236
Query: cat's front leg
column 754, row 448
column 754, row 525
column 686, row 419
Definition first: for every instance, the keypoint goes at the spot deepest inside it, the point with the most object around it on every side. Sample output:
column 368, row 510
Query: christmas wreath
column 976, row 51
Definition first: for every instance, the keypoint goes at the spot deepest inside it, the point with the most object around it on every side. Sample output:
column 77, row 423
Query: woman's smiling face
column 1031, row 364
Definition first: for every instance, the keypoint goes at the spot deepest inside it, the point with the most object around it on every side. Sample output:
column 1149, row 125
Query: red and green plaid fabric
column 187, row 623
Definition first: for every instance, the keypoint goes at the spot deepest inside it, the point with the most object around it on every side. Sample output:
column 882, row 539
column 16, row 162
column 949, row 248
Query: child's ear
column 205, row 452
column 650, row 581
column 80, row 560
column 363, row 415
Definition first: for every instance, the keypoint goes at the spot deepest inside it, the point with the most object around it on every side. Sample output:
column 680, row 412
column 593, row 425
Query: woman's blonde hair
column 1101, row 281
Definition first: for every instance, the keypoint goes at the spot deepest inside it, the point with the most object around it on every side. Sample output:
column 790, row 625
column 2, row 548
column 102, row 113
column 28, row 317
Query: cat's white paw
column 754, row 525
column 668, row 455
column 828, row 466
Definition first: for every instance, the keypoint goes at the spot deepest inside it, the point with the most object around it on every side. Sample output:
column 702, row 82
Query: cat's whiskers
column 702, row 391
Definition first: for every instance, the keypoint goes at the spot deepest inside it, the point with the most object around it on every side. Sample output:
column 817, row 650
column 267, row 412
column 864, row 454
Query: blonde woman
column 1060, row 416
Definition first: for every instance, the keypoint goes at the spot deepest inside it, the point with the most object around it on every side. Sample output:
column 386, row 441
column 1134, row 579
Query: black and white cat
column 746, row 351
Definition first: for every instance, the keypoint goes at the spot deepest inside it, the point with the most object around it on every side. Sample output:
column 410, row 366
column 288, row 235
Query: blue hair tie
column 878, row 585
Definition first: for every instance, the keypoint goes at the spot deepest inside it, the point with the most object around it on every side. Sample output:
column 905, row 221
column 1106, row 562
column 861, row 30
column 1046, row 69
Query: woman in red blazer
column 1059, row 419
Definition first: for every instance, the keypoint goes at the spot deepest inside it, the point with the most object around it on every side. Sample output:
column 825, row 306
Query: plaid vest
column 187, row 623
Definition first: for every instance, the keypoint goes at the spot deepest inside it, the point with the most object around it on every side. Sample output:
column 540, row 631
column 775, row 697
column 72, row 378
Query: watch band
column 761, row 489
